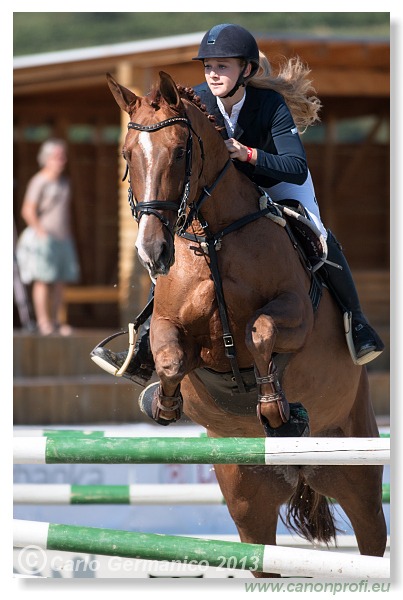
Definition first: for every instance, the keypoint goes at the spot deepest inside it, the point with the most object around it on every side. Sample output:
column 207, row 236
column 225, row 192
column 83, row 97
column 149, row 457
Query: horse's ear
column 124, row 97
column 169, row 91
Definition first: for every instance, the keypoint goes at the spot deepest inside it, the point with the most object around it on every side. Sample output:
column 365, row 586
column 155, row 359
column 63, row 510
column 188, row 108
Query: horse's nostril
column 164, row 250
column 166, row 253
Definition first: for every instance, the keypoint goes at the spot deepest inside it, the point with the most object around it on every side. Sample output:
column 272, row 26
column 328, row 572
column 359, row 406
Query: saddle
column 304, row 234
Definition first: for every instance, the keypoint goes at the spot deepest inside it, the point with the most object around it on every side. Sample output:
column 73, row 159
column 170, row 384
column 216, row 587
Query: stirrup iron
column 348, row 330
column 106, row 366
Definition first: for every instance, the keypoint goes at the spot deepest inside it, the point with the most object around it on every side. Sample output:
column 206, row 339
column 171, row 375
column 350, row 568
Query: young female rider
column 262, row 115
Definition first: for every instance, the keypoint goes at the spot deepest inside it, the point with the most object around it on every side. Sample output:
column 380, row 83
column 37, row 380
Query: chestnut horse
column 269, row 310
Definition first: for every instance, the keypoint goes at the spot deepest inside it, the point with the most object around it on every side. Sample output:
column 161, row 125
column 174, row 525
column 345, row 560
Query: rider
column 262, row 115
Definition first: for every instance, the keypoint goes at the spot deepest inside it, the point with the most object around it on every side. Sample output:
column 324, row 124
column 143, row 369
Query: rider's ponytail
column 293, row 84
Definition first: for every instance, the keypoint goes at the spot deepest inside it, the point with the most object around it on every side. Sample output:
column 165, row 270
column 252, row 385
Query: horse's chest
column 201, row 319
column 200, row 306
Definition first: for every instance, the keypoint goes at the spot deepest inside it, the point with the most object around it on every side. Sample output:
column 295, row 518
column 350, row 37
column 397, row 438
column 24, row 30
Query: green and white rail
column 213, row 553
column 242, row 451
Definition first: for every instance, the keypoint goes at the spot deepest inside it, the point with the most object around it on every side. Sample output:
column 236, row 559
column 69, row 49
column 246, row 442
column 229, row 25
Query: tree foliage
column 46, row 31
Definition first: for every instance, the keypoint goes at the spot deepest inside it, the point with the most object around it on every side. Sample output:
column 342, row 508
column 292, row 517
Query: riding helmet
column 229, row 41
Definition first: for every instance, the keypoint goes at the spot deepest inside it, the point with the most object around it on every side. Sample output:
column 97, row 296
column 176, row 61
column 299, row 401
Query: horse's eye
column 180, row 153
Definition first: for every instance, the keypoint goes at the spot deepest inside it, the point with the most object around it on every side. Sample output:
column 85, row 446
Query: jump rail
column 242, row 451
column 99, row 433
column 135, row 494
column 213, row 553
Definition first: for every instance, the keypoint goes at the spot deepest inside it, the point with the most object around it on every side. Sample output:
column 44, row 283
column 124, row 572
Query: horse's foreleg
column 280, row 326
column 174, row 358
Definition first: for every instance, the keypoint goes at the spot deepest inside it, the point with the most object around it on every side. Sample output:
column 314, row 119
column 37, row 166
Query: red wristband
column 249, row 151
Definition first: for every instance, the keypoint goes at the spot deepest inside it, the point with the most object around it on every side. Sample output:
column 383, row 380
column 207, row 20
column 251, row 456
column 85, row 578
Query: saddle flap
column 306, row 234
column 309, row 236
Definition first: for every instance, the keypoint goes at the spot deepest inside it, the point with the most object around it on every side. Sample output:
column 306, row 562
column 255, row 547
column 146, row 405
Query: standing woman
column 261, row 116
column 45, row 252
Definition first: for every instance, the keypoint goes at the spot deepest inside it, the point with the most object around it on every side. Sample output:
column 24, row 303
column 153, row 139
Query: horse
column 182, row 182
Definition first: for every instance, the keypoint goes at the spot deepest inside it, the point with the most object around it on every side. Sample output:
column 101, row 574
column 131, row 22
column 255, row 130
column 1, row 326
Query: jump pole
column 133, row 494
column 213, row 553
column 149, row 494
column 97, row 433
column 241, row 451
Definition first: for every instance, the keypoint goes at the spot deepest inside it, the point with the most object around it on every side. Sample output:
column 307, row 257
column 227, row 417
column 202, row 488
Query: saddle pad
column 224, row 390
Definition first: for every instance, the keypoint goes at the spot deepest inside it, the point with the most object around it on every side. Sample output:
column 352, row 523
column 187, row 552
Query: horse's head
column 164, row 163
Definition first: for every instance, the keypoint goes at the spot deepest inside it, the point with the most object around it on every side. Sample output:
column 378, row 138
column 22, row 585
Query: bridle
column 153, row 207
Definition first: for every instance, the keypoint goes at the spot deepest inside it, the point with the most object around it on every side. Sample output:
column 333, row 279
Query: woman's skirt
column 46, row 259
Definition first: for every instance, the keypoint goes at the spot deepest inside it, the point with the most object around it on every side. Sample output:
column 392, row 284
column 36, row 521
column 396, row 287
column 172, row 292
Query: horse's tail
column 309, row 514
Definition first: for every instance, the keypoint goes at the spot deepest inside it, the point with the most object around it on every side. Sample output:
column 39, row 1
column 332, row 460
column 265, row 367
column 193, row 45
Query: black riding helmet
column 230, row 41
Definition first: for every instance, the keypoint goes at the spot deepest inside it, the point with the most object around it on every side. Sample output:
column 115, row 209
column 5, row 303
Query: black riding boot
column 141, row 365
column 363, row 341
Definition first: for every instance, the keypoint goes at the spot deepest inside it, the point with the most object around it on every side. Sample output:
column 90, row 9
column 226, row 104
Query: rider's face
column 222, row 74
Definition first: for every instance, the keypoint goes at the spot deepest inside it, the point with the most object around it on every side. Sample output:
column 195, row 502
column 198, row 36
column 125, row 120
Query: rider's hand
column 239, row 151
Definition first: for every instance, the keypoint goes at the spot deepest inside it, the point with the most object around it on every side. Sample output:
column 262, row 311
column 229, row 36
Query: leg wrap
column 158, row 404
column 150, row 403
column 277, row 394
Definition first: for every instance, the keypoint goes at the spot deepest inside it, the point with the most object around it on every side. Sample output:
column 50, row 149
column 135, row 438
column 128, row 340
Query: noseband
column 153, row 207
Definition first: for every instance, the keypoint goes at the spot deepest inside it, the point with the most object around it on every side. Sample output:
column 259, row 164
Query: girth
column 223, row 388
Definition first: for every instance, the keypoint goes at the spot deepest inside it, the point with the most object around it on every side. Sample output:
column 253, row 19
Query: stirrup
column 348, row 329
column 106, row 366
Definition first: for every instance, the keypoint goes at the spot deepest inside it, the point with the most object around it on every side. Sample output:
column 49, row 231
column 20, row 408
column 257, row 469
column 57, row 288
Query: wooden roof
column 340, row 67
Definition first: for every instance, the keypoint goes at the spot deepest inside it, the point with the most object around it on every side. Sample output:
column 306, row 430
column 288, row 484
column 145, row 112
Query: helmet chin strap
column 240, row 83
column 234, row 89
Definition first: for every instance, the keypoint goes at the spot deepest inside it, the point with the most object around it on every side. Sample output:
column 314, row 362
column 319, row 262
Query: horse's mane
column 186, row 93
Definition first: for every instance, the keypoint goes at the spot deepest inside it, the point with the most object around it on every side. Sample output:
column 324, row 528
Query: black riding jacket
column 264, row 123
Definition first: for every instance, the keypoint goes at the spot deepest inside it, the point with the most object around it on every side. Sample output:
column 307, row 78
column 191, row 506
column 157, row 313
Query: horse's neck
column 233, row 198
column 235, row 195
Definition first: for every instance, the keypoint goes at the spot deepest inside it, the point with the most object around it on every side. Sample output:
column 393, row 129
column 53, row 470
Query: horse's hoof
column 150, row 405
column 296, row 426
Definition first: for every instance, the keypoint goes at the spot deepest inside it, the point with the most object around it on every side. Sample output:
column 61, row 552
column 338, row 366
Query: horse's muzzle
column 158, row 258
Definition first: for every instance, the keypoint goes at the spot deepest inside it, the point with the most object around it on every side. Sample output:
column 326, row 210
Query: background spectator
column 45, row 251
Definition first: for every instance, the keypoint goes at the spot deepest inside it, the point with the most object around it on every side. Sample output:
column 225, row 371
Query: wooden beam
column 353, row 82
column 343, row 67
column 331, row 53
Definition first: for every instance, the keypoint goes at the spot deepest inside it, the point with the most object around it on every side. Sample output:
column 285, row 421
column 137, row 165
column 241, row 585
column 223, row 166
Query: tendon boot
column 363, row 342
column 152, row 402
column 136, row 363
column 294, row 415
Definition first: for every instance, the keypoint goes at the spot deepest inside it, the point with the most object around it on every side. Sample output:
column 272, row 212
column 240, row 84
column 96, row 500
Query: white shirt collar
column 231, row 121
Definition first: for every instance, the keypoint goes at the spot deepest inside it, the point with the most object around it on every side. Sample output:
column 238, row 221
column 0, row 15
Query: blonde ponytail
column 293, row 84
